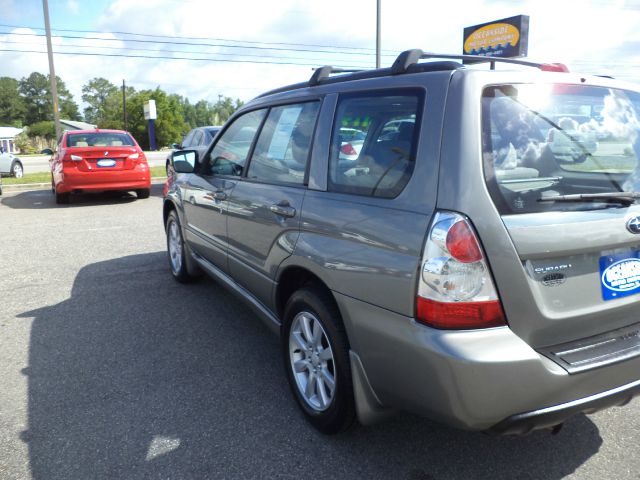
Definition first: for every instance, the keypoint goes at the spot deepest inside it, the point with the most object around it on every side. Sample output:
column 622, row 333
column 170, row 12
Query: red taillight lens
column 348, row 149
column 554, row 67
column 460, row 315
column 462, row 244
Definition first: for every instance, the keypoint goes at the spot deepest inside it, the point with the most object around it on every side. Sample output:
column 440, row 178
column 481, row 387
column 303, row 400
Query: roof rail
column 321, row 73
column 410, row 57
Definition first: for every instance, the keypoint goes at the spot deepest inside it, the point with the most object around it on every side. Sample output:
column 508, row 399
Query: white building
column 7, row 139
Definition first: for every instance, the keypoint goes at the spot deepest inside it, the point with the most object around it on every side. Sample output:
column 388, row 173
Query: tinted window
column 198, row 138
column 283, row 149
column 188, row 139
column 374, row 142
column 100, row 139
column 229, row 156
column 542, row 141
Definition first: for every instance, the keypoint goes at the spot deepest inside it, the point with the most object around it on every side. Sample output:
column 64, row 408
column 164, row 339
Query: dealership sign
column 505, row 38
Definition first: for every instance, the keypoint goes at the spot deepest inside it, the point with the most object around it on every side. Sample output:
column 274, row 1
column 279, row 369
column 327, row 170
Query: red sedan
column 98, row 160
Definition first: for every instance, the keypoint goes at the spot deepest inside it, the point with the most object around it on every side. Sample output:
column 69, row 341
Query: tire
column 17, row 170
column 62, row 198
column 176, row 250
column 143, row 193
column 316, row 358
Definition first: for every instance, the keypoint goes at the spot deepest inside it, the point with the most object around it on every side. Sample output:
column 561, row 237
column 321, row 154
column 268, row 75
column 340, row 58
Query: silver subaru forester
column 476, row 261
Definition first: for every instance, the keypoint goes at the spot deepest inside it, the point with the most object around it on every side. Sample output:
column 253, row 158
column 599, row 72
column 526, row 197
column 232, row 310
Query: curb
column 47, row 186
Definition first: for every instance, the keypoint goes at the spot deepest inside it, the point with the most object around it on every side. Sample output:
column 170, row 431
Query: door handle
column 219, row 195
column 283, row 210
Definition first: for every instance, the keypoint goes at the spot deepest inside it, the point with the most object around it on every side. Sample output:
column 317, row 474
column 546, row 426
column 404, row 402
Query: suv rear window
column 546, row 146
column 99, row 139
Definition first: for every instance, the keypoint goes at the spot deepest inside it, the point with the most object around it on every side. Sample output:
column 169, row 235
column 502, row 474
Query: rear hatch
column 561, row 164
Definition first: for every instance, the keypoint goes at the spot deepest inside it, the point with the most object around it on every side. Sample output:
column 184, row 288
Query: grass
column 45, row 177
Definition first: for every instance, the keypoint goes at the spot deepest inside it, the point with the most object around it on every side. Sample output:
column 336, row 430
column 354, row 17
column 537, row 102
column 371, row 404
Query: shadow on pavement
column 43, row 199
column 137, row 376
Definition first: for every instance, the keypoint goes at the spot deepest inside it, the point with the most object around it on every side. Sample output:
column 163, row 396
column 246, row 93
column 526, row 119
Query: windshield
column 560, row 147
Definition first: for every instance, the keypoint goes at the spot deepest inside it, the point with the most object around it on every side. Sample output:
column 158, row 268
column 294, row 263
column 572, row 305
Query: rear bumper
column 483, row 380
column 74, row 181
column 549, row 417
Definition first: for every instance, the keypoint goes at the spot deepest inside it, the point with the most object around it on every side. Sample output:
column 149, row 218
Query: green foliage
column 35, row 91
column 29, row 102
column 95, row 94
column 44, row 129
column 12, row 108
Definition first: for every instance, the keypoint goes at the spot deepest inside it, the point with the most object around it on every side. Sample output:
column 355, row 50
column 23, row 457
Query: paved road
column 40, row 163
column 111, row 370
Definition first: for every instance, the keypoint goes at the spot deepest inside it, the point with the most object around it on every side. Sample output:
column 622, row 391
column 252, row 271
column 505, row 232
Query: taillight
column 76, row 158
column 348, row 149
column 455, row 290
column 554, row 67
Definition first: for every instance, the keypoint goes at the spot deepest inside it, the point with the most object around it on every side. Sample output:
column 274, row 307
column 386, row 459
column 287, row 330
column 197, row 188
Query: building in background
column 8, row 139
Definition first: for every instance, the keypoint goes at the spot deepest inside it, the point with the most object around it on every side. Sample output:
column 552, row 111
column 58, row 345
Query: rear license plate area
column 106, row 162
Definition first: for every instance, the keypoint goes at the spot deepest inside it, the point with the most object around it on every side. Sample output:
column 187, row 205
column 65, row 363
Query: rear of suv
column 478, row 263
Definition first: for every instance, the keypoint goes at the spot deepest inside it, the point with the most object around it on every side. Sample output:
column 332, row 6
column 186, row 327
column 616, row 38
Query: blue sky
column 591, row 36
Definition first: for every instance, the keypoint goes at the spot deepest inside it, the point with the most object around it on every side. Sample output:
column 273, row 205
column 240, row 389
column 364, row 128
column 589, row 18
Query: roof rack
column 408, row 62
column 322, row 73
column 411, row 57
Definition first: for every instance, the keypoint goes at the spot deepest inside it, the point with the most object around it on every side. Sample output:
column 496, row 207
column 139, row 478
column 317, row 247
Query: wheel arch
column 295, row 277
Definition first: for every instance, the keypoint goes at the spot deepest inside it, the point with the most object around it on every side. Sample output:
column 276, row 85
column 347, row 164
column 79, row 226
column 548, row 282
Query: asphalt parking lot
column 111, row 370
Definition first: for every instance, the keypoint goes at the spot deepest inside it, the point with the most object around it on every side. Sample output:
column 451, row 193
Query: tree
column 12, row 108
column 36, row 93
column 95, row 94
column 37, row 98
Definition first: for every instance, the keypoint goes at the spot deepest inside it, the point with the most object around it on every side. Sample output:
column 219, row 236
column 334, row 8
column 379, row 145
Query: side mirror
column 46, row 151
column 175, row 146
column 184, row 161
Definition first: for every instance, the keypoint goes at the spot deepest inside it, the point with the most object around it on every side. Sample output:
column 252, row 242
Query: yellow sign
column 491, row 36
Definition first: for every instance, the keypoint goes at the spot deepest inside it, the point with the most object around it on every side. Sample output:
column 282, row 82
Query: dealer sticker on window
column 620, row 275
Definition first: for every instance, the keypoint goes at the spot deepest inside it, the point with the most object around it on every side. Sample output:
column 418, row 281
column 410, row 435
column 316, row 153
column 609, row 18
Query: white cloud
column 590, row 35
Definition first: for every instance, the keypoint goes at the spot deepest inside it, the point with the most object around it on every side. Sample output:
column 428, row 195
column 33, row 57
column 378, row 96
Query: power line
column 171, row 51
column 193, row 38
column 186, row 43
column 175, row 58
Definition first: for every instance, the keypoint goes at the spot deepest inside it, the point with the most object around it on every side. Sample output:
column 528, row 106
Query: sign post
column 150, row 117
column 506, row 38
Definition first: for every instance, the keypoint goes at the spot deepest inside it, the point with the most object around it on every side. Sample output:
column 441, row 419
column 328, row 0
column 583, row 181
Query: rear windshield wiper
column 625, row 198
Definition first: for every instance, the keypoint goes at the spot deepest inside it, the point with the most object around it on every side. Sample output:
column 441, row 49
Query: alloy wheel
column 312, row 361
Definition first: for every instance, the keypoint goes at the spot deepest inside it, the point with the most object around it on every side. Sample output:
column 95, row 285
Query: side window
column 187, row 140
column 229, row 156
column 198, row 138
column 283, row 148
column 374, row 141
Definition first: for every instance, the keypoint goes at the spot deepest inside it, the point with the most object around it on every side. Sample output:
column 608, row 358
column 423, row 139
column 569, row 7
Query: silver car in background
column 10, row 165
column 477, row 262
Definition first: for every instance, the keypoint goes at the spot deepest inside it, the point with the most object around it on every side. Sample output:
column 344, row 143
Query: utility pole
column 52, row 72
column 378, row 8
column 124, row 105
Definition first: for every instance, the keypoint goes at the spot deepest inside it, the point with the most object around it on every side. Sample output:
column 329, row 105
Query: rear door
column 562, row 168
column 265, row 205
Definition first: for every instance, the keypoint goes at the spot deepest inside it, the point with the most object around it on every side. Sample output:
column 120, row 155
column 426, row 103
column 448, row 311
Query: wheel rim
column 312, row 361
column 17, row 171
column 175, row 246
